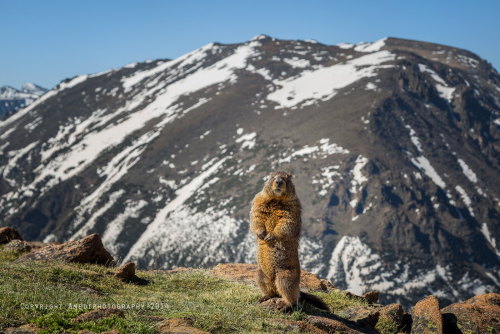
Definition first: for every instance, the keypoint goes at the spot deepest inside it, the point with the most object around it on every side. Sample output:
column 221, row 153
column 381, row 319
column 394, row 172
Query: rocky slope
column 393, row 146
column 12, row 99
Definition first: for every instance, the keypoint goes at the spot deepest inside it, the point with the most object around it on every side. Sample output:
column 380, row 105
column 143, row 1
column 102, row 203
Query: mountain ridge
column 394, row 151
column 12, row 99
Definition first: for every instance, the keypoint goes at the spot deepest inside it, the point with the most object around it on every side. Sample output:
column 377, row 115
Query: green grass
column 216, row 305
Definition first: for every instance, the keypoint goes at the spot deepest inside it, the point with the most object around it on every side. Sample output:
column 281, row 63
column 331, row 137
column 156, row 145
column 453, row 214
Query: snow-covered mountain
column 12, row 99
column 394, row 146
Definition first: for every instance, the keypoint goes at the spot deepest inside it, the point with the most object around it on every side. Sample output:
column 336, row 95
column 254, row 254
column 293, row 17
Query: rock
column 24, row 329
column 85, row 250
column 393, row 312
column 7, row 234
column 247, row 272
column 300, row 326
column 363, row 315
column 427, row 317
column 479, row 314
column 371, row 297
column 99, row 313
column 126, row 272
column 178, row 325
column 274, row 304
column 336, row 324
column 17, row 246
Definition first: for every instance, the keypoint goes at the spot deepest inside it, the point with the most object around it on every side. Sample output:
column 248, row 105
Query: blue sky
column 47, row 41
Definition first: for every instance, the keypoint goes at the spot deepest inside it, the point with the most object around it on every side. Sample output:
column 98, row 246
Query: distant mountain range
column 12, row 99
column 394, row 146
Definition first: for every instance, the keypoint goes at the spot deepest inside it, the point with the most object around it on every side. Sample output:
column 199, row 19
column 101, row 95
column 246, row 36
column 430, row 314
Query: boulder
column 17, row 246
column 427, row 317
column 479, row 314
column 178, row 325
column 363, row 315
column 7, row 234
column 393, row 312
column 99, row 313
column 126, row 272
column 371, row 297
column 85, row 250
column 248, row 272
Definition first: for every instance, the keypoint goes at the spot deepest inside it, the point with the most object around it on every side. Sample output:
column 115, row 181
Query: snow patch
column 324, row 83
column 442, row 87
column 424, row 165
column 182, row 194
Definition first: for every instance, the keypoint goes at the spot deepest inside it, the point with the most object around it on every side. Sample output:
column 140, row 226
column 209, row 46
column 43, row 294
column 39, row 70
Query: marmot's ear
column 289, row 176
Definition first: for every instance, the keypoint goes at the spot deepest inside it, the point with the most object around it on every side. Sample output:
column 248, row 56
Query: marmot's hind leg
column 266, row 286
column 287, row 284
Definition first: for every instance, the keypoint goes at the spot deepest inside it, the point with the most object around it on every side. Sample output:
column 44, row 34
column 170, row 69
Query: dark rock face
column 479, row 314
column 85, row 250
column 394, row 147
column 7, row 234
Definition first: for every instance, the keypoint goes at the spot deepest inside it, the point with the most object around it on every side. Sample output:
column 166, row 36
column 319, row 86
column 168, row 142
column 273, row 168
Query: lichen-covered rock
column 363, row 315
column 7, row 234
column 126, row 272
column 427, row 317
column 17, row 246
column 479, row 314
column 86, row 250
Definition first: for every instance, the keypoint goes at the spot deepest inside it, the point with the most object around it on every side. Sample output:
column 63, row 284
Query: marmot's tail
column 313, row 300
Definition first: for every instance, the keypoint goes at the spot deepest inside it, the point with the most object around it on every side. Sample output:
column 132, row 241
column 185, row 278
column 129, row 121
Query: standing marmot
column 275, row 218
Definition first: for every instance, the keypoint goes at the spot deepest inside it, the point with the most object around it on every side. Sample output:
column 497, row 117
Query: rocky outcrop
column 479, row 314
column 247, row 272
column 7, row 234
column 86, row 250
column 427, row 317
column 179, row 326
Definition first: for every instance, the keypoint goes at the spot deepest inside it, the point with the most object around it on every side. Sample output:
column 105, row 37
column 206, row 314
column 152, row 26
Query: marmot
column 275, row 218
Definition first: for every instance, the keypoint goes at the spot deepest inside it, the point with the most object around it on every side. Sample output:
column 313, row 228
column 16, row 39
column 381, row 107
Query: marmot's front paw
column 261, row 235
column 269, row 238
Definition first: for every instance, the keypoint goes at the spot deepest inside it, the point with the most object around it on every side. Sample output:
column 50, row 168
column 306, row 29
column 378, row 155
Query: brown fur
column 275, row 218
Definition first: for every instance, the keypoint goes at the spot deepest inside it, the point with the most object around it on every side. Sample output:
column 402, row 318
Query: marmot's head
column 280, row 184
